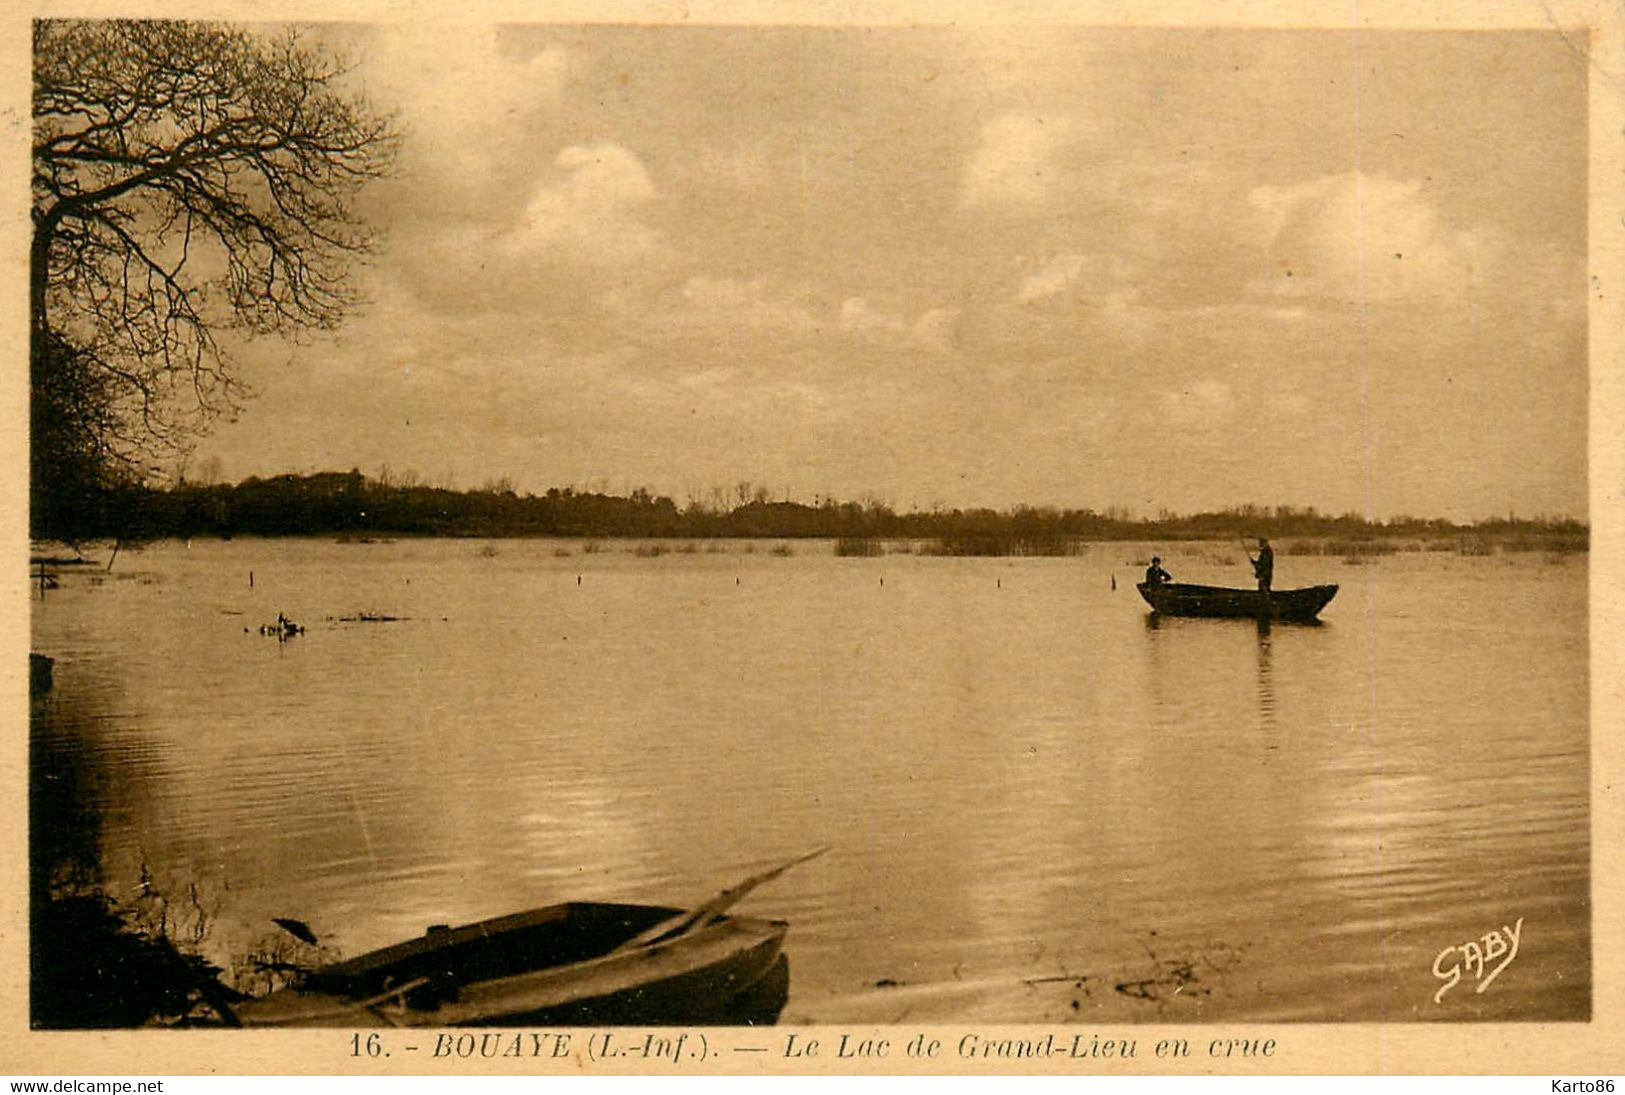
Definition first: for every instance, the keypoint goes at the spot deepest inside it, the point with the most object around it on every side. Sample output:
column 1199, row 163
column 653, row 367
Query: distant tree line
column 348, row 504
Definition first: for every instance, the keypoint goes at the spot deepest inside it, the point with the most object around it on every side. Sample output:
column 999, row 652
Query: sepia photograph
column 1065, row 533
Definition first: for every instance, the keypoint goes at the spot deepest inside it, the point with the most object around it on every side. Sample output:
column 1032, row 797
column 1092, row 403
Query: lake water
column 1040, row 806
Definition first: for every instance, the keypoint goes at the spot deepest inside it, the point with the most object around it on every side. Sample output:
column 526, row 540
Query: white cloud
column 1014, row 160
column 933, row 329
column 857, row 317
column 592, row 206
column 461, row 96
column 1055, row 277
column 576, row 252
column 605, row 174
column 1355, row 236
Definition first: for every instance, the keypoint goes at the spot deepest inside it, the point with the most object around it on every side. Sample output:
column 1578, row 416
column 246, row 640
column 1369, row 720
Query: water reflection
column 64, row 834
column 88, row 784
column 1266, row 683
column 1020, row 778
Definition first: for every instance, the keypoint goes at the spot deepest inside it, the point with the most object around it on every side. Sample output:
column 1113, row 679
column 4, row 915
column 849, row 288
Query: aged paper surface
column 1592, row 31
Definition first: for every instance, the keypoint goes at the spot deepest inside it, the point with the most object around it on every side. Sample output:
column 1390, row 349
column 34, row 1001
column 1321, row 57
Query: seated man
column 1154, row 574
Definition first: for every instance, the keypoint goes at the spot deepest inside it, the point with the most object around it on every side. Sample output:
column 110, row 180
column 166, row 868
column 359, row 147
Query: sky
column 947, row 266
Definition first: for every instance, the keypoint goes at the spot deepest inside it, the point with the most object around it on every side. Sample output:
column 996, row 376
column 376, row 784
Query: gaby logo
column 1475, row 955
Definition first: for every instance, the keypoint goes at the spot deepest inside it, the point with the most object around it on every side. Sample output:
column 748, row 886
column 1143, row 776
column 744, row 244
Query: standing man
column 1264, row 565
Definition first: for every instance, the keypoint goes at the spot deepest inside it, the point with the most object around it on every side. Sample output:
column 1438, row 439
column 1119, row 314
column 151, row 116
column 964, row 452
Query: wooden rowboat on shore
column 1181, row 599
column 575, row 963
column 582, row 962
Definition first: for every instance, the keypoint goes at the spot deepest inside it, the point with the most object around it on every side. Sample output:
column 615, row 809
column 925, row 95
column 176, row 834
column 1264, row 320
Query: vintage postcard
column 813, row 539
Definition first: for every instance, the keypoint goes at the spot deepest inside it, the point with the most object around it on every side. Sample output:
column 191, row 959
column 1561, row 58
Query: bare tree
column 187, row 178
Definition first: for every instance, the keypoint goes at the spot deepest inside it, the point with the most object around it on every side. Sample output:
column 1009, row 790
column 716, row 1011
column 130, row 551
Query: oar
column 371, row 1003
column 701, row 915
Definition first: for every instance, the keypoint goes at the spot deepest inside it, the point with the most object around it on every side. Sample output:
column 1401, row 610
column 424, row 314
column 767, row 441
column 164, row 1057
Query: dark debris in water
column 283, row 629
column 298, row 928
column 60, row 561
column 1184, row 977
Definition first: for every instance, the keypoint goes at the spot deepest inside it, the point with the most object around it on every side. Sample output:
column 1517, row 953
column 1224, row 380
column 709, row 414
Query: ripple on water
column 1019, row 778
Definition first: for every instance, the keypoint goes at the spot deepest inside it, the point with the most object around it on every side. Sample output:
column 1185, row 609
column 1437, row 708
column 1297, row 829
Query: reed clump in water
column 1346, row 549
column 859, row 547
column 999, row 545
column 1553, row 543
